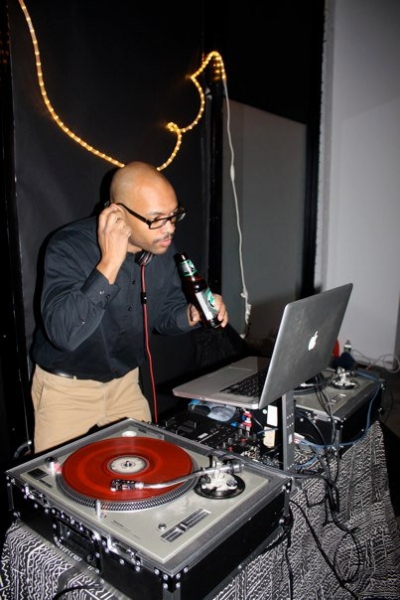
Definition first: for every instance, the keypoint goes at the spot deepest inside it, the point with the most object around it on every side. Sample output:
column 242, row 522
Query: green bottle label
column 188, row 269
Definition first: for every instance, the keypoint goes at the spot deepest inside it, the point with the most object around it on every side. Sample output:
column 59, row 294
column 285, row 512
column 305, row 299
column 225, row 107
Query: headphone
column 143, row 258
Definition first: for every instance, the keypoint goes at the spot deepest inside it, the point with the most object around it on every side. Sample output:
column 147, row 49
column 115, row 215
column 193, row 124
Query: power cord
column 390, row 362
column 341, row 582
column 147, row 343
column 244, row 294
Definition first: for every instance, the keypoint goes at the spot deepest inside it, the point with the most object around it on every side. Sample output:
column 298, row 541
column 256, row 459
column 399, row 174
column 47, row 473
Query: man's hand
column 222, row 316
column 113, row 236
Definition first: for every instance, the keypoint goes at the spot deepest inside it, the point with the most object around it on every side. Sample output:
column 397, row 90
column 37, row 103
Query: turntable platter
column 87, row 474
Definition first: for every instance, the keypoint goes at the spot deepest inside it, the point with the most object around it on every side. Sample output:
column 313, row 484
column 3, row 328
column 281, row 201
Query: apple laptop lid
column 304, row 345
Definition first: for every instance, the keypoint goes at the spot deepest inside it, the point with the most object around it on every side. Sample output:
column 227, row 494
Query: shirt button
column 129, row 308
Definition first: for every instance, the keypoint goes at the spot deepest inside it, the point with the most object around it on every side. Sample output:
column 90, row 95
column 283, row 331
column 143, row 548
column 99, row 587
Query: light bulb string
column 219, row 74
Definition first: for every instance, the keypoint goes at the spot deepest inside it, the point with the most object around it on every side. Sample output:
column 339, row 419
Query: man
column 90, row 343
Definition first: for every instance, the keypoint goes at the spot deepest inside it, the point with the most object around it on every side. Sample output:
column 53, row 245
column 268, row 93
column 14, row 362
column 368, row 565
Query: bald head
column 141, row 194
column 128, row 181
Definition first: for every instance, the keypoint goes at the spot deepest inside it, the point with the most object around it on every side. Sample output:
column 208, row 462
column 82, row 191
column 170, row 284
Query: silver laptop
column 304, row 346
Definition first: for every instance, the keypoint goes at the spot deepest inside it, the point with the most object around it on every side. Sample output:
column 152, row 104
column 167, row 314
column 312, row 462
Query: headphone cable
column 147, row 343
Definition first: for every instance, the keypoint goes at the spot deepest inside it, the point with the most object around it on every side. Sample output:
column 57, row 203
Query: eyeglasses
column 158, row 222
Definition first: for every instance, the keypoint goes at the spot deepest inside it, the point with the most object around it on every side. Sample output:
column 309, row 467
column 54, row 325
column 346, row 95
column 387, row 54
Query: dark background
column 116, row 74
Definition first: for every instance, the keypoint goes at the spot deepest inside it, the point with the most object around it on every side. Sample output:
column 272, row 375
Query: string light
column 47, row 102
column 218, row 74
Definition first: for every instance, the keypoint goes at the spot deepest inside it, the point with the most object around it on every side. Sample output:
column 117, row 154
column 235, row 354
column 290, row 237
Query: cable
column 147, row 342
column 287, row 527
column 301, row 413
column 244, row 293
column 290, row 570
column 332, row 501
column 341, row 582
column 323, row 399
column 390, row 362
column 22, row 449
column 386, row 406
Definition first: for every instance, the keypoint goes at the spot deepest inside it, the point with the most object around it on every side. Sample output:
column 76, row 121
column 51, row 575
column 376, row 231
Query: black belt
column 60, row 373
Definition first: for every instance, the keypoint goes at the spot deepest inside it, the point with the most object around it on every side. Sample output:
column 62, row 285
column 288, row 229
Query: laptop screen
column 303, row 348
column 304, row 345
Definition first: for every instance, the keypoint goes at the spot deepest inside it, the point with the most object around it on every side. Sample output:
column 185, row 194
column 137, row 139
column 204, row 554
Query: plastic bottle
column 197, row 291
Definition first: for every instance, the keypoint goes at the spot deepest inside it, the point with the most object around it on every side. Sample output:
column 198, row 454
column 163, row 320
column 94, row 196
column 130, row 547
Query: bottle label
column 187, row 268
column 207, row 304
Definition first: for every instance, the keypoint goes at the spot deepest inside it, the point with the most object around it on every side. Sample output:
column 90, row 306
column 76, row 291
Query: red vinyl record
column 90, row 470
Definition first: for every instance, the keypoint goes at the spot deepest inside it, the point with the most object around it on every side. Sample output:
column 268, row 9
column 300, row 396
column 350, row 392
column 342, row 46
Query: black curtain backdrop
column 116, row 73
column 115, row 82
column 115, row 76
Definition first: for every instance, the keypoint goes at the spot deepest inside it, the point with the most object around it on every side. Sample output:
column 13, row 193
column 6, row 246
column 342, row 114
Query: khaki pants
column 67, row 408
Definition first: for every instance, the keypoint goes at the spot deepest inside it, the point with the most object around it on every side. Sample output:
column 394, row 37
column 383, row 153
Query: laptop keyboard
column 251, row 386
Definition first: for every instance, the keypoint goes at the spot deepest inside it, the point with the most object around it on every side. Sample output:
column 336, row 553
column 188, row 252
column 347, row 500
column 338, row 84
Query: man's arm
column 75, row 293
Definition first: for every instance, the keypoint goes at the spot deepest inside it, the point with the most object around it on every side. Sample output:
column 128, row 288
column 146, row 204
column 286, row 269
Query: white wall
column 359, row 216
column 269, row 165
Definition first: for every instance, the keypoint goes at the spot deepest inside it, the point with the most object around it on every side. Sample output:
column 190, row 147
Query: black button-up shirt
column 90, row 328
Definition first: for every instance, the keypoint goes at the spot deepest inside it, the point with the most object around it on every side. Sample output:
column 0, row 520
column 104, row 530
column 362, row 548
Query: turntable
column 149, row 511
column 342, row 406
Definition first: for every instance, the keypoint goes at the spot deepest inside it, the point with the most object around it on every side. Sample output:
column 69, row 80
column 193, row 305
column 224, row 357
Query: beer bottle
column 197, row 291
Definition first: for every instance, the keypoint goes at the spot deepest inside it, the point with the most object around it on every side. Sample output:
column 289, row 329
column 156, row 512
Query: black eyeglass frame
column 178, row 216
